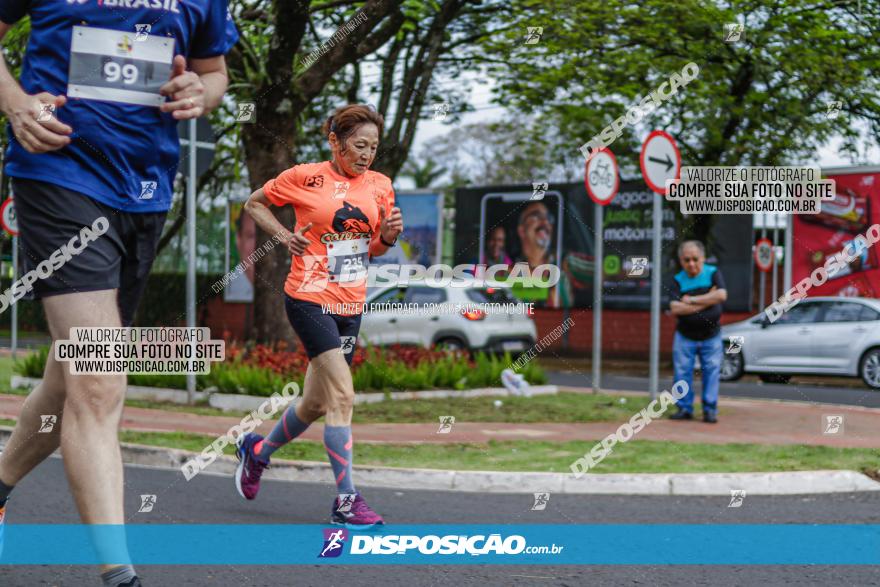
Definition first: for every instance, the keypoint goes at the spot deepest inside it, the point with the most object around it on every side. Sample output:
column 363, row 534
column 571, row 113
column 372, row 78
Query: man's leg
column 683, row 353
column 27, row 448
column 711, row 355
column 92, row 410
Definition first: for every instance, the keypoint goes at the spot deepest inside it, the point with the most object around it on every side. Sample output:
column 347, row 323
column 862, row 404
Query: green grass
column 561, row 407
column 6, row 373
column 638, row 456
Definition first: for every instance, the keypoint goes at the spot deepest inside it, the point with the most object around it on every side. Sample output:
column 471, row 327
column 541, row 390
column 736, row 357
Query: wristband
column 387, row 244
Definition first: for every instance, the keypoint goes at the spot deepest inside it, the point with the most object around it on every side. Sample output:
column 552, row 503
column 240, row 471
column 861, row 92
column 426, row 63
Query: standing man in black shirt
column 698, row 291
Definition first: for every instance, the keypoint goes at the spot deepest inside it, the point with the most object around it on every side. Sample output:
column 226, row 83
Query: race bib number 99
column 119, row 66
column 348, row 260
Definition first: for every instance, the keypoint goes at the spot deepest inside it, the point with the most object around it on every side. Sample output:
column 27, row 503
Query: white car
column 818, row 336
column 453, row 317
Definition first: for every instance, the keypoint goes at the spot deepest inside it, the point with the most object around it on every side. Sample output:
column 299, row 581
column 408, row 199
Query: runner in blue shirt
column 94, row 150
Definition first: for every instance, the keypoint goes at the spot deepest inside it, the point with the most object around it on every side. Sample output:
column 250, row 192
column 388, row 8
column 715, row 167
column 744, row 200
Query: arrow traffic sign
column 660, row 160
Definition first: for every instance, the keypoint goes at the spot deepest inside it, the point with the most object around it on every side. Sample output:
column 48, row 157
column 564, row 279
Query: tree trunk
column 269, row 150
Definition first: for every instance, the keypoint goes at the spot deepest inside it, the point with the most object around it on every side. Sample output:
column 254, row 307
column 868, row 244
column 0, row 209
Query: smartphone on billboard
column 523, row 227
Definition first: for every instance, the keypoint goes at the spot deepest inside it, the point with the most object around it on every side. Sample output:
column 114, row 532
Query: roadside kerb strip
column 785, row 483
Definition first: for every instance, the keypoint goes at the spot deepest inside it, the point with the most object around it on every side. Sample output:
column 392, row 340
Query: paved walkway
column 741, row 421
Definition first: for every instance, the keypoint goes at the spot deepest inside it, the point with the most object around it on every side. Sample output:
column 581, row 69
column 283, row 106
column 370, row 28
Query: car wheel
column 451, row 343
column 774, row 378
column 732, row 367
column 869, row 368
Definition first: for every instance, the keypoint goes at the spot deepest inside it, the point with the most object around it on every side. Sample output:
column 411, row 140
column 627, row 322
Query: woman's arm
column 390, row 228
column 257, row 206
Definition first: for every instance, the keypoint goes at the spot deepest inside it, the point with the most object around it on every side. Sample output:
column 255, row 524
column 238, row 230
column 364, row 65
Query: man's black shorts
column 320, row 332
column 50, row 215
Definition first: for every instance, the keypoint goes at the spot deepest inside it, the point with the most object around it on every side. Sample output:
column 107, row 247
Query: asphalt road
column 43, row 498
column 745, row 388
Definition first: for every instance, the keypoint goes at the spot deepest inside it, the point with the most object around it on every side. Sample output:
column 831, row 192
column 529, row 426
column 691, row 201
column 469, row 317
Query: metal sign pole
column 191, row 250
column 14, row 306
column 775, row 295
column 602, row 180
column 598, row 256
column 763, row 285
column 226, row 236
column 657, row 221
column 786, row 252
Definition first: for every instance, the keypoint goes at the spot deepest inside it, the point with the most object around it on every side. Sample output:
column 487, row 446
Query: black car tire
column 732, row 366
column 869, row 368
column 774, row 378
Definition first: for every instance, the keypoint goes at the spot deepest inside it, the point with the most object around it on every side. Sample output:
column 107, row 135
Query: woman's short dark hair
column 346, row 119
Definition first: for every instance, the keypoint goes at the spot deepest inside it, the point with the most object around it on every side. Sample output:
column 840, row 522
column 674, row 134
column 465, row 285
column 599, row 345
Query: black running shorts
column 52, row 218
column 320, row 332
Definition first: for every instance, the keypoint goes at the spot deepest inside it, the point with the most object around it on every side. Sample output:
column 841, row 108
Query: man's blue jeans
column 711, row 354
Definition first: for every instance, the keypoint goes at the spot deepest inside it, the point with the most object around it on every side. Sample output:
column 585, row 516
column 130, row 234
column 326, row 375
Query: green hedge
column 375, row 374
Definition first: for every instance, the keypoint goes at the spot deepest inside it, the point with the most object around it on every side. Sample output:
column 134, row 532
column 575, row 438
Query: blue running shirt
column 109, row 57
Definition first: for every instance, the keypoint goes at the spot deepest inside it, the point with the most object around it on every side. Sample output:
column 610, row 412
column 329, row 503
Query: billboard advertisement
column 856, row 206
column 506, row 224
column 422, row 225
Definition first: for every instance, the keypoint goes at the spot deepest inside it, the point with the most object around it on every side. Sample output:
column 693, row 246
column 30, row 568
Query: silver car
column 454, row 318
column 819, row 336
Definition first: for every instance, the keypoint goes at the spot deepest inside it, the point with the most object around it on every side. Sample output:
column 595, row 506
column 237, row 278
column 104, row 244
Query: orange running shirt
column 344, row 213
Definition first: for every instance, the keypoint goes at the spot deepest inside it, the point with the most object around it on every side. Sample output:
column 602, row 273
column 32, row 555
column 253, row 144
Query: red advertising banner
column 819, row 236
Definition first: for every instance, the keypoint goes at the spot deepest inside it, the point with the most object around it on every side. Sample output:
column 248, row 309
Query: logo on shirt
column 170, row 5
column 125, row 45
column 148, row 188
column 350, row 219
column 341, row 190
column 314, row 181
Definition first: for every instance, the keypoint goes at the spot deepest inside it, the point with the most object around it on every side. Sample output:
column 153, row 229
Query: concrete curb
column 233, row 402
column 786, row 483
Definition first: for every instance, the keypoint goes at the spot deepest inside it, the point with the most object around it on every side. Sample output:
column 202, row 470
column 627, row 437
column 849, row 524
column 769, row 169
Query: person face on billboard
column 691, row 256
column 495, row 246
column 535, row 232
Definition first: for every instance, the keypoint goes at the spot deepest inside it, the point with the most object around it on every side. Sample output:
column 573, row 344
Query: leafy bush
column 235, row 377
column 32, row 365
column 262, row 370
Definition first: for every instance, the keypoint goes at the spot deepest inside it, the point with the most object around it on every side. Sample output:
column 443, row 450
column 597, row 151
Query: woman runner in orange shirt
column 345, row 214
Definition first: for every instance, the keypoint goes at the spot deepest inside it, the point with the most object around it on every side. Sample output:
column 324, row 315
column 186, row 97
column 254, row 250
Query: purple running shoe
column 354, row 512
column 250, row 467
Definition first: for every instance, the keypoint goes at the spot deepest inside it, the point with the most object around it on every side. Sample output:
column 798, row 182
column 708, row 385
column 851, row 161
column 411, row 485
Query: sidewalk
column 740, row 421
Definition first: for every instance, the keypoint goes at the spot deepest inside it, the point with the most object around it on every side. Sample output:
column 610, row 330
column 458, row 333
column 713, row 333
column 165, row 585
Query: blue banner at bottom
column 642, row 544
